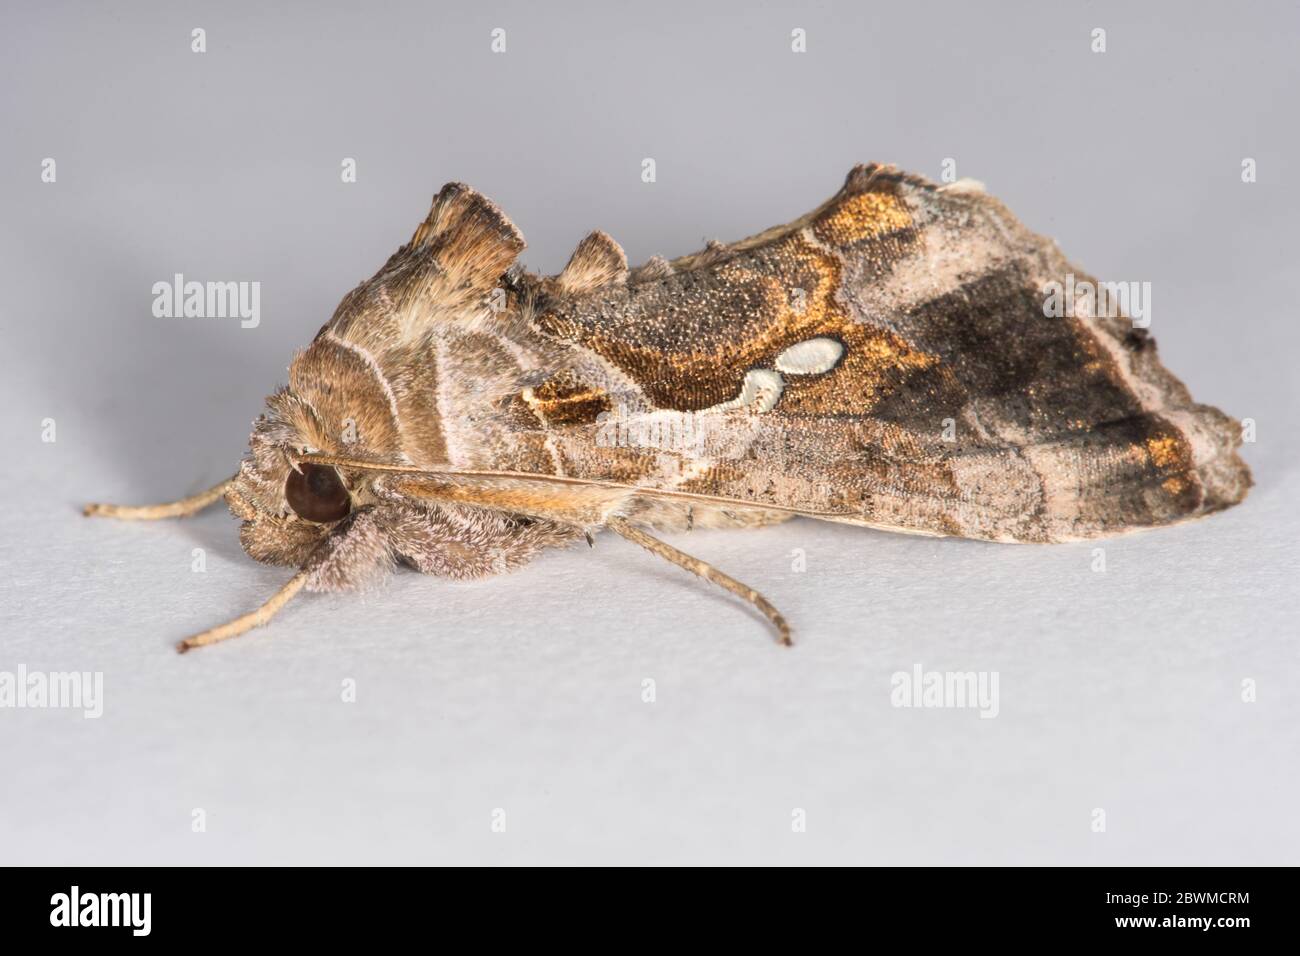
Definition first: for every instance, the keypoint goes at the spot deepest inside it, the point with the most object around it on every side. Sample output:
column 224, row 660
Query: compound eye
column 316, row 493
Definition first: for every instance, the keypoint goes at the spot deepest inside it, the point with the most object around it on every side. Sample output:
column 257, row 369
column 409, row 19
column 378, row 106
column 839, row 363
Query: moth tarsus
column 887, row 360
column 706, row 571
column 182, row 508
column 246, row 622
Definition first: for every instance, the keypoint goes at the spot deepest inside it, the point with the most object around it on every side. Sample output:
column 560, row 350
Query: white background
column 1118, row 690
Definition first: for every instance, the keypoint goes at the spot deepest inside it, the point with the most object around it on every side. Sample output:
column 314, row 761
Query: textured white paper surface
column 1118, row 690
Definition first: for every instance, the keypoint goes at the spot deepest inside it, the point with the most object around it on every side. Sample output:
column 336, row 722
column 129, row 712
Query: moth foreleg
column 704, row 570
column 172, row 509
column 241, row 625
column 354, row 555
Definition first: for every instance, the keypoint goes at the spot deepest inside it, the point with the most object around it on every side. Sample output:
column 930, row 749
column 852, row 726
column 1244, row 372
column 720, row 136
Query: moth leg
column 172, row 509
column 704, row 570
column 249, row 621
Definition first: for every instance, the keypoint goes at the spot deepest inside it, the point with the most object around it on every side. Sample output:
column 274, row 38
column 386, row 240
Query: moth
column 884, row 361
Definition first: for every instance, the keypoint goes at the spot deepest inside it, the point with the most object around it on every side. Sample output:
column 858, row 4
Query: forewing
column 946, row 401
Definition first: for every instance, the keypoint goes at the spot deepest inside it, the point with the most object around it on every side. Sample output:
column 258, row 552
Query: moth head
column 289, row 506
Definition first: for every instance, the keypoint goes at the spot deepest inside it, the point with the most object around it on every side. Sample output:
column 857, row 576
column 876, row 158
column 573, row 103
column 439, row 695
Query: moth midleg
column 252, row 619
column 704, row 570
column 172, row 509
